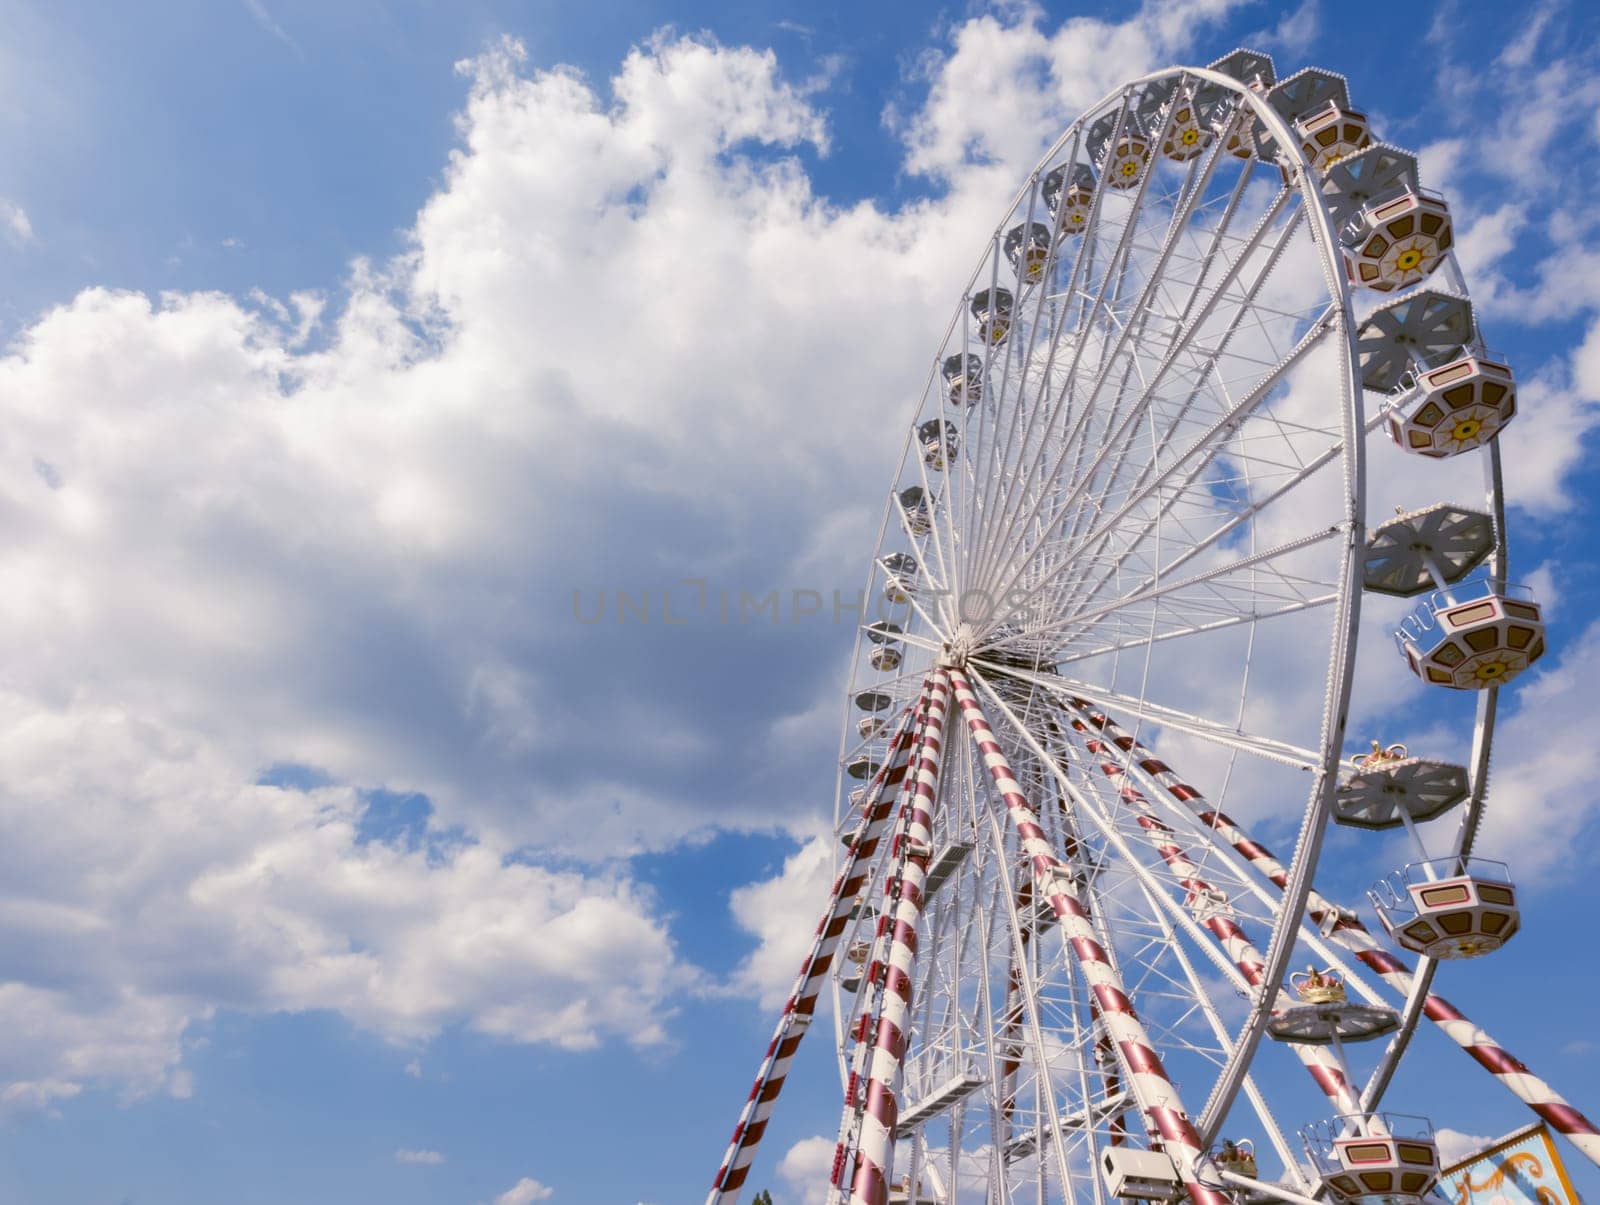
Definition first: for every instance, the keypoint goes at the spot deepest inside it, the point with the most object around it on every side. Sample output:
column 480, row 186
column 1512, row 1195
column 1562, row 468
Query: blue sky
column 345, row 342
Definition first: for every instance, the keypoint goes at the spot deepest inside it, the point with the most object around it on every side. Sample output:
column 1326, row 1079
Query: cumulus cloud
column 1541, row 817
column 1454, row 1145
column 251, row 533
column 407, row 1155
column 164, row 888
column 1009, row 84
column 805, row 1168
column 241, row 553
column 36, row 1096
column 524, row 1192
column 344, row 534
column 780, row 913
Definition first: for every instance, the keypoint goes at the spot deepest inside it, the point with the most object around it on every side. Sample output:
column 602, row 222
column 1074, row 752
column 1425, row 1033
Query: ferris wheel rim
column 1291, row 916
column 1353, row 449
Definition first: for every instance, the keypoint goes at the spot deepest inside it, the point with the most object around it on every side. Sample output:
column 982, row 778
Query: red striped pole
column 1011, row 1019
column 902, row 911
column 1166, row 1121
column 1342, row 926
column 798, row 1010
column 1211, row 909
column 1105, row 1057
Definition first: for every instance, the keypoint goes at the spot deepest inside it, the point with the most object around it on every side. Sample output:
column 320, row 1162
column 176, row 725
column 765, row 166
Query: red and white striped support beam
column 801, row 1005
column 1342, row 926
column 1011, row 1019
column 1324, row 1063
column 1105, row 1057
column 1166, row 1121
column 902, row 911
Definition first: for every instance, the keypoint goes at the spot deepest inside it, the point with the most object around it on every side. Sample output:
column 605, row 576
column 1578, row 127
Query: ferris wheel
column 1214, row 407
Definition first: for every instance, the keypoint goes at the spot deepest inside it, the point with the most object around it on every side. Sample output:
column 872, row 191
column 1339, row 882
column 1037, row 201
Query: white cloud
column 165, row 889
column 1009, row 86
column 1295, row 34
column 14, row 223
column 805, row 1168
column 1545, row 582
column 247, row 554
column 1540, row 816
column 1484, row 242
column 35, row 1096
column 524, row 1192
column 1559, row 409
column 1529, row 259
column 1454, row 1145
column 407, row 1155
column 782, row 912
column 345, row 536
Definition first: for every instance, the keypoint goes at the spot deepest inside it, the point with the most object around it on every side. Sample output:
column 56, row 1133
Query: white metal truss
column 1144, row 513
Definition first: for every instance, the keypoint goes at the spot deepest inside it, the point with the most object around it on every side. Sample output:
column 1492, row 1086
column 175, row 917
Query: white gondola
column 1383, row 1159
column 1251, row 68
column 873, row 700
column 1119, row 148
column 1174, row 105
column 1455, row 406
column 1325, row 1014
column 1433, row 547
column 1472, row 637
column 862, row 767
column 1124, row 164
column 1422, row 327
column 856, row 955
column 1187, row 135
column 916, row 513
column 1027, row 250
column 885, row 639
column 901, row 569
column 1244, row 135
column 939, row 440
column 1069, row 195
column 884, row 657
column 1388, row 785
column 992, row 309
column 1397, row 240
column 1306, row 91
column 884, row 632
column 1331, row 134
column 1351, row 184
column 1449, row 907
column 963, row 378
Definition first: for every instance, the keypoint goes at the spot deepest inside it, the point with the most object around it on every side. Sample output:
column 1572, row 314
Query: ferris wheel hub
column 959, row 648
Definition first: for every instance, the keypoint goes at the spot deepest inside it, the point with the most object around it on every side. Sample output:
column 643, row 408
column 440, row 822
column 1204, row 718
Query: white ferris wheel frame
column 1299, row 915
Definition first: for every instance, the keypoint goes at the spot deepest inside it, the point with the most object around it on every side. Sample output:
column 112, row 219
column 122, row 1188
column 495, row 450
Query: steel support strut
column 1159, row 1104
column 903, row 900
column 1325, row 1064
column 1344, row 927
column 801, row 1005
